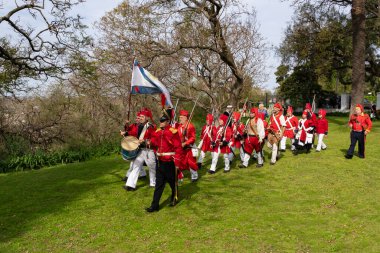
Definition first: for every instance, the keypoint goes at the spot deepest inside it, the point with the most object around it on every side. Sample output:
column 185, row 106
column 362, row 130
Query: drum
column 130, row 148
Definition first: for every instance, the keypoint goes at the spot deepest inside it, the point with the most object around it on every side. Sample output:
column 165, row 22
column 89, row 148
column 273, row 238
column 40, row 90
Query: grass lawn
column 317, row 202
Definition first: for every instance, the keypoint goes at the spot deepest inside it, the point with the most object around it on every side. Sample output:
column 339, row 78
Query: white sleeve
column 260, row 129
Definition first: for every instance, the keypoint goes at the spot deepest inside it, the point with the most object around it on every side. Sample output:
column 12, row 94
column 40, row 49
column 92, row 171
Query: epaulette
column 173, row 130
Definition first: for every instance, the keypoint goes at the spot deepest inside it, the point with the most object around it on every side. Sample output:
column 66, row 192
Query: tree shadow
column 32, row 195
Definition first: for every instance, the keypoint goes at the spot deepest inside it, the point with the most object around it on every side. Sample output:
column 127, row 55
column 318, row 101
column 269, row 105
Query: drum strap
column 141, row 137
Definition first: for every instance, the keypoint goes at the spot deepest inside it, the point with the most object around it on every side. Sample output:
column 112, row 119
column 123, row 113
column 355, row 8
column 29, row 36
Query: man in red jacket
column 168, row 147
column 187, row 134
column 322, row 129
column 360, row 125
column 237, row 136
column 276, row 130
column 131, row 129
column 142, row 132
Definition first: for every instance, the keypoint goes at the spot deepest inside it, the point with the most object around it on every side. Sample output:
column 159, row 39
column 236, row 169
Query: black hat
column 166, row 115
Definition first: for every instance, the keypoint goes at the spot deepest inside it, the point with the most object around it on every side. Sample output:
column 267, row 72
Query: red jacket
column 189, row 139
column 276, row 126
column 220, row 138
column 322, row 126
column 167, row 145
column 237, row 129
column 188, row 161
column 291, row 123
column 206, row 136
column 360, row 122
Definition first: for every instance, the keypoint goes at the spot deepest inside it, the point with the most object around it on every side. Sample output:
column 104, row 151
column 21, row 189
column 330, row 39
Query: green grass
column 316, row 202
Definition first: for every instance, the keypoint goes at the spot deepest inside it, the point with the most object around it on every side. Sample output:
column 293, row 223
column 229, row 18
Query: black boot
column 199, row 166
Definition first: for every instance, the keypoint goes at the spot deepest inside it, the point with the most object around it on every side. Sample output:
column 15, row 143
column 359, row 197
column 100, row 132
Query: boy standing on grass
column 291, row 123
column 360, row 125
column 187, row 134
column 322, row 129
column 304, row 137
column 206, row 137
column 219, row 144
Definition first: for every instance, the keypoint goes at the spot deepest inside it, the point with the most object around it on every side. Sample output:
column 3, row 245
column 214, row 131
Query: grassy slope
column 318, row 202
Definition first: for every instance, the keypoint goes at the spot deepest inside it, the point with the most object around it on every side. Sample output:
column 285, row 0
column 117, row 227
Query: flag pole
column 130, row 90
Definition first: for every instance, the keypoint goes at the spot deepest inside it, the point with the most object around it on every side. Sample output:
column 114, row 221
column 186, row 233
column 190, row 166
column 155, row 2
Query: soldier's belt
column 166, row 154
column 252, row 135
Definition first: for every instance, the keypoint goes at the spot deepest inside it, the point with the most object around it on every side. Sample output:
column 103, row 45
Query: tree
column 38, row 49
column 211, row 47
column 361, row 11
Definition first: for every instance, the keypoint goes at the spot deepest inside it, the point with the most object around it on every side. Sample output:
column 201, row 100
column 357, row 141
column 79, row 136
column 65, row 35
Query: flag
column 144, row 82
column 313, row 105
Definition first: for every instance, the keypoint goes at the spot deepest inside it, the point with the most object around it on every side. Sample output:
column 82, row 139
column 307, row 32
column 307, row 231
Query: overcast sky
column 272, row 15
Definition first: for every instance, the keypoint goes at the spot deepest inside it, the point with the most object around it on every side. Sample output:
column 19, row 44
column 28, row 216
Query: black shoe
column 282, row 150
column 199, row 166
column 272, row 163
column 295, row 152
column 128, row 188
column 124, row 179
column 142, row 177
column 362, row 157
column 324, row 148
column 226, row 171
column 194, row 180
column 173, row 203
column 259, row 165
column 211, row 172
column 151, row 209
column 348, row 156
column 242, row 166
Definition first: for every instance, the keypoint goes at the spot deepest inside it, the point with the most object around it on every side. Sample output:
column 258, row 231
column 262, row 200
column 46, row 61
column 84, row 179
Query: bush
column 40, row 158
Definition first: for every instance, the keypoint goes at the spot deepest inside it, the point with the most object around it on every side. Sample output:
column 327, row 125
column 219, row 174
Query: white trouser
column 247, row 157
column 201, row 156
column 275, row 152
column 231, row 155
column 194, row 174
column 147, row 156
column 214, row 161
column 321, row 144
column 142, row 172
column 283, row 143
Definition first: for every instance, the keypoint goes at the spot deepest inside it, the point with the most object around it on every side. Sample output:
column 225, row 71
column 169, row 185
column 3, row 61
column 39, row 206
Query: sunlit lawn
column 317, row 202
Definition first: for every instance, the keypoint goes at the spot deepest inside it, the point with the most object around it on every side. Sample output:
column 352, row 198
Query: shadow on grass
column 29, row 196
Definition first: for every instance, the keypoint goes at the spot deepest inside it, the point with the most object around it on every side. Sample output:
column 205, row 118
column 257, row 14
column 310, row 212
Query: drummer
column 130, row 128
column 143, row 132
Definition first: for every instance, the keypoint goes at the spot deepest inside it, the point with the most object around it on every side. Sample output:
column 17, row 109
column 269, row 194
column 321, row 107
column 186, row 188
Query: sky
column 272, row 16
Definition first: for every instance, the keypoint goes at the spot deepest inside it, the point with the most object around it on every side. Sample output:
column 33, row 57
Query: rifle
column 175, row 109
column 243, row 110
column 223, row 130
column 184, row 133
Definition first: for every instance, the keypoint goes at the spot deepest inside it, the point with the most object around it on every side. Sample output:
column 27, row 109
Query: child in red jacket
column 322, row 129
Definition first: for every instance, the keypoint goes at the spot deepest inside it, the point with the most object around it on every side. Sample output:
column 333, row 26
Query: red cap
column 308, row 106
column 360, row 106
column 290, row 110
column 254, row 110
column 224, row 118
column 236, row 115
column 209, row 119
column 322, row 113
column 278, row 105
column 305, row 112
column 183, row 113
column 146, row 112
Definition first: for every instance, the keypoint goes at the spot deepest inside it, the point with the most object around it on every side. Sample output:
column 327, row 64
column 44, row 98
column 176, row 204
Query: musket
column 175, row 112
column 184, row 133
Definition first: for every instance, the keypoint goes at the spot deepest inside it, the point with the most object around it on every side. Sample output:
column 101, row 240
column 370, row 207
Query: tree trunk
column 358, row 44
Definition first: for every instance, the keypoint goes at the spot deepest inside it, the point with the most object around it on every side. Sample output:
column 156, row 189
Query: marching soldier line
column 170, row 149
